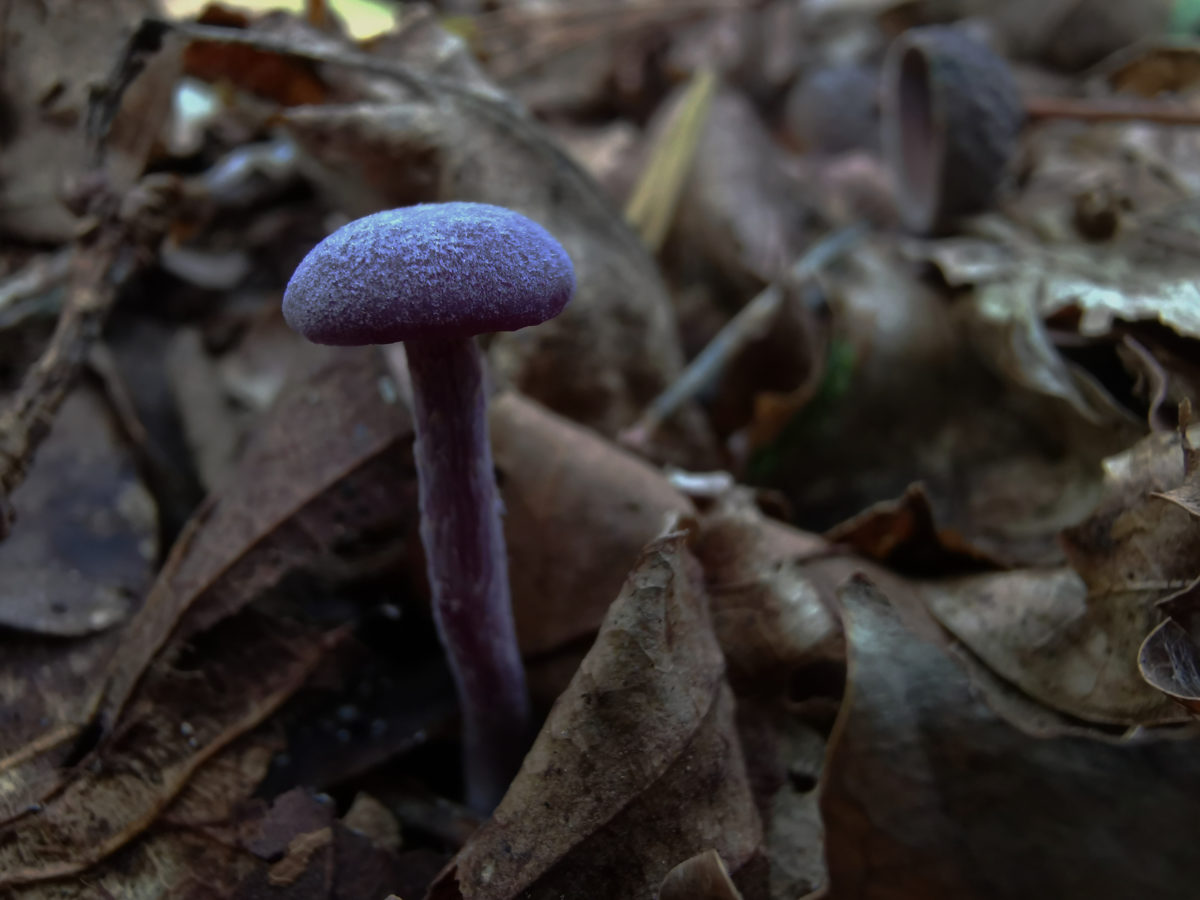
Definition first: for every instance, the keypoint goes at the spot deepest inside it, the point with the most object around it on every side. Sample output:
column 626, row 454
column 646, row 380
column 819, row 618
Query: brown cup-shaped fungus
column 434, row 276
column 951, row 117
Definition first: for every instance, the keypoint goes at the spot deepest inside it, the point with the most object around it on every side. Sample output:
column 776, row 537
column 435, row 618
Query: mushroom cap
column 431, row 271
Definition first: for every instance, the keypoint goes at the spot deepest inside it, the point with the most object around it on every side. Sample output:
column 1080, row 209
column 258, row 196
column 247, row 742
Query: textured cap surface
column 436, row 270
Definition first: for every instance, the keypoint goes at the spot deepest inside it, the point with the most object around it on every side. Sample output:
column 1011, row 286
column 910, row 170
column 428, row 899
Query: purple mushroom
column 434, row 276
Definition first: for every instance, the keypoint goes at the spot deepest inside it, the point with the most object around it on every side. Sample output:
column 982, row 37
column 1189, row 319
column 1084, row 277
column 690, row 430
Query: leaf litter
column 916, row 618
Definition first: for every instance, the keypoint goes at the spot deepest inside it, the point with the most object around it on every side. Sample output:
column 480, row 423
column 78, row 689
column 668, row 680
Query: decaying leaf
column 772, row 609
column 173, row 724
column 638, row 765
column 54, row 52
column 1169, row 660
column 341, row 427
column 1136, row 540
column 1069, row 648
column 578, row 511
column 703, row 877
column 87, row 539
column 741, row 213
column 903, row 535
column 71, row 573
column 928, row 794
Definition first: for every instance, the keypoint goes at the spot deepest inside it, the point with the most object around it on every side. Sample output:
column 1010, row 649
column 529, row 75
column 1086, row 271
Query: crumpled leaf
column 703, row 877
column 772, row 608
column 1068, row 648
column 174, row 723
column 1070, row 637
column 1135, row 540
column 1169, row 660
column 1022, row 283
column 903, row 535
column 578, row 511
column 279, row 514
column 638, row 765
column 928, row 794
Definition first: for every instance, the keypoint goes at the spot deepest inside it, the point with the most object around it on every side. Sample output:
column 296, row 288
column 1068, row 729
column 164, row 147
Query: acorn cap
column 432, row 271
column 951, row 117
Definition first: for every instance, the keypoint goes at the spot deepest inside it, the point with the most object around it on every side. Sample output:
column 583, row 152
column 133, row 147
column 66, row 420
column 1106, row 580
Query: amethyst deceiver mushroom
column 434, row 276
column 951, row 117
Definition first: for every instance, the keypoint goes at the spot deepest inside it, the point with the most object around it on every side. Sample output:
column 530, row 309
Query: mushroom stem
column 466, row 561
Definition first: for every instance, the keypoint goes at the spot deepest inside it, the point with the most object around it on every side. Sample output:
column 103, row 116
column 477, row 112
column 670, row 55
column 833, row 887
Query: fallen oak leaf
column 1072, row 650
column 578, row 512
column 252, row 666
column 638, row 764
column 331, row 463
column 926, row 793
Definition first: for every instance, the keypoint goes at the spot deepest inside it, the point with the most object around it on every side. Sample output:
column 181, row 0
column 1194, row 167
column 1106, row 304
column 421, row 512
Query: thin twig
column 100, row 263
column 748, row 323
column 37, row 277
column 1087, row 110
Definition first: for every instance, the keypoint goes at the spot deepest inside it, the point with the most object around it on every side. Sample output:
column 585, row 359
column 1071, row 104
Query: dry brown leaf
column 1135, row 541
column 280, row 513
column 578, row 511
column 74, row 569
column 172, row 725
column 927, row 794
column 740, row 212
column 1169, row 660
column 771, row 615
column 46, row 78
column 703, row 877
column 903, row 535
column 285, row 80
column 1068, row 648
column 638, row 765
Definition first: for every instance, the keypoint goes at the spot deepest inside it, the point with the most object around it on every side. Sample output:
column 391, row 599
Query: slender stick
column 1110, row 110
column 466, row 561
column 749, row 322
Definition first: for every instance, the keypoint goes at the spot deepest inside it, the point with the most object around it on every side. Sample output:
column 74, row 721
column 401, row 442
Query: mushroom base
column 466, row 561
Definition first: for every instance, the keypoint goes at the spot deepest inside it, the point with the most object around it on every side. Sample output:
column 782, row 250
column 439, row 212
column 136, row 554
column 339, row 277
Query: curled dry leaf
column 771, row 614
column 1169, row 660
column 1070, row 637
column 251, row 666
column 927, row 794
column 703, row 877
column 903, row 535
column 638, row 765
column 1136, row 540
column 339, row 428
column 1071, row 649
column 578, row 511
